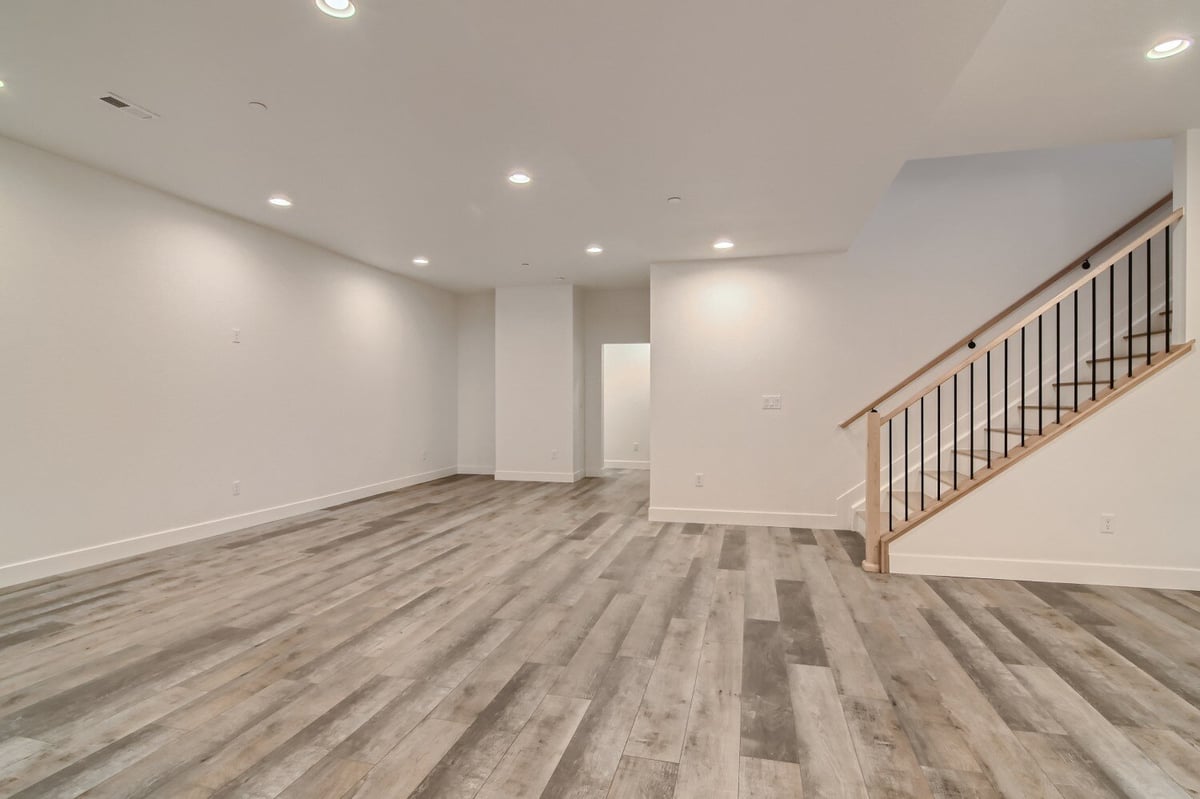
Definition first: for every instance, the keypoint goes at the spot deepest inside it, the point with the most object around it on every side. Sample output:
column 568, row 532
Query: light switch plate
column 772, row 402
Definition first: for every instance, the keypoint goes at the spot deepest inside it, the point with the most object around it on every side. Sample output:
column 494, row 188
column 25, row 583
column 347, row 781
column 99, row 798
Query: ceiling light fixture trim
column 1168, row 47
column 519, row 178
column 339, row 9
column 595, row 249
column 280, row 201
column 722, row 244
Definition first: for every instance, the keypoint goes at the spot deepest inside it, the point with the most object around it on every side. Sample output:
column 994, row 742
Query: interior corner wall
column 578, row 393
column 952, row 241
column 128, row 412
column 536, row 380
column 477, row 383
column 610, row 316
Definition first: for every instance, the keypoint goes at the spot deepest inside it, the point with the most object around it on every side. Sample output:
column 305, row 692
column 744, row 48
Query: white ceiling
column 1061, row 72
column 778, row 122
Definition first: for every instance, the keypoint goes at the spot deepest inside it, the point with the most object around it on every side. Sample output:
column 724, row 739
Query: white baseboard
column 1047, row 571
column 627, row 464
column 476, row 469
column 540, row 477
column 50, row 565
column 754, row 518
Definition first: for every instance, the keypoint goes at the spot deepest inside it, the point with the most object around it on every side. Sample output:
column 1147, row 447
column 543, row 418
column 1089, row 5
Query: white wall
column 626, row 378
column 477, row 383
column 952, row 241
column 1135, row 459
column 537, row 383
column 127, row 412
column 611, row 316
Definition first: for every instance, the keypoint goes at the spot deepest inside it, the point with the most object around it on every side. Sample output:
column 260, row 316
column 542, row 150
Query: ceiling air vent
column 118, row 102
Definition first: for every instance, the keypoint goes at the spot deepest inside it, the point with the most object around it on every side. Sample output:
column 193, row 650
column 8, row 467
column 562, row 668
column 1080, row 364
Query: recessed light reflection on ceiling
column 722, row 244
column 280, row 201
column 342, row 9
column 1, row 84
column 595, row 249
column 519, row 178
column 421, row 260
column 1168, row 48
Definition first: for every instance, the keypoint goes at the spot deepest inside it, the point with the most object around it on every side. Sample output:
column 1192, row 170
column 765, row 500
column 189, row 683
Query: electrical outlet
column 1108, row 523
column 699, row 480
column 424, row 454
column 635, row 446
column 553, row 454
column 237, row 336
column 237, row 488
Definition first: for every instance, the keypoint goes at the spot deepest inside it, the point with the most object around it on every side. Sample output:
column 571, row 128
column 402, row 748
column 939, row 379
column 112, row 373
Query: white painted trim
column 756, row 518
column 476, row 469
column 540, row 477
column 627, row 464
column 1167, row 577
column 50, row 565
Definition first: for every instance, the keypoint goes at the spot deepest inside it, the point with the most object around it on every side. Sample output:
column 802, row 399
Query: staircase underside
column 1016, row 452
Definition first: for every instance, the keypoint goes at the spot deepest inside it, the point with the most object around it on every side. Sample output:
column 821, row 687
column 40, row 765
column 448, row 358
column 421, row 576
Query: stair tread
column 1136, row 356
column 980, row 454
column 1014, row 431
column 947, row 478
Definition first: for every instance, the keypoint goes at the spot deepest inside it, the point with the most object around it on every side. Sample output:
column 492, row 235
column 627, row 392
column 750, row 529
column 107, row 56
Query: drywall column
column 476, row 383
column 1186, row 245
column 539, row 375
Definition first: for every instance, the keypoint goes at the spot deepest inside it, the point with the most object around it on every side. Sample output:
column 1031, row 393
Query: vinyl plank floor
column 507, row 640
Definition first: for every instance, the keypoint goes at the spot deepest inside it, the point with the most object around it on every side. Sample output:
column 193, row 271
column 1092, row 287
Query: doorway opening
column 625, row 405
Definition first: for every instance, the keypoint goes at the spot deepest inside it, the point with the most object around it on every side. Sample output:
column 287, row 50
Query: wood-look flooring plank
column 638, row 778
column 468, row 637
column 658, row 731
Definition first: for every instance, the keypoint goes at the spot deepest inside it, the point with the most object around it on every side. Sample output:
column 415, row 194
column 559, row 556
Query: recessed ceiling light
column 1, row 84
column 1168, row 48
column 674, row 200
column 525, row 264
column 257, row 105
column 421, row 260
column 595, row 249
column 722, row 244
column 280, row 201
column 342, row 9
column 519, row 178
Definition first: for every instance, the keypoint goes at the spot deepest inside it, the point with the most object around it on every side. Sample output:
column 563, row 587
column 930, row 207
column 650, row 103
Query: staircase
column 1106, row 331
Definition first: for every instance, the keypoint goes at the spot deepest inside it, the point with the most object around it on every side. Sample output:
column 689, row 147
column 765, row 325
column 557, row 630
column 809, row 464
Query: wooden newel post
column 873, row 558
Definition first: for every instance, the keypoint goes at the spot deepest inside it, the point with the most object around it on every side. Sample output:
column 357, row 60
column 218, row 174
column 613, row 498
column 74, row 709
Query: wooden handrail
column 1128, row 226
column 1092, row 274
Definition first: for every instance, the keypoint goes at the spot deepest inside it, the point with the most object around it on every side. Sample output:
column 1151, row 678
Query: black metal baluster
column 939, row 442
column 921, row 482
column 1167, row 299
column 1075, row 366
column 1058, row 362
column 971, row 428
column 987, row 438
column 1006, row 398
column 954, row 449
column 1095, row 355
column 1149, row 310
column 1129, row 320
column 1112, row 326
column 1041, row 379
column 1023, row 395
column 906, row 464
